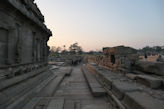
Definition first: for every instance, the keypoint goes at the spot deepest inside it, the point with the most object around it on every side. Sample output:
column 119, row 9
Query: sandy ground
column 150, row 58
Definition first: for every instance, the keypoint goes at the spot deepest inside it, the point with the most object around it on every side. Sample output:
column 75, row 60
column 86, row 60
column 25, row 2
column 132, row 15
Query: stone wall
column 118, row 58
column 23, row 38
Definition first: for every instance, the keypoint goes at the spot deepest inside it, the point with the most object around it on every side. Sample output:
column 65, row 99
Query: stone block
column 141, row 100
column 95, row 87
column 131, row 76
column 98, row 91
column 150, row 67
column 119, row 88
column 108, row 82
column 149, row 81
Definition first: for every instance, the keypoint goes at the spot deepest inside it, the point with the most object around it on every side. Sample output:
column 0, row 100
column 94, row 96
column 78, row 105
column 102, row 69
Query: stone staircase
column 16, row 92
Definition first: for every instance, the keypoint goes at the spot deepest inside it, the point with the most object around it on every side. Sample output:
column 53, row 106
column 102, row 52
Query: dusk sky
column 104, row 23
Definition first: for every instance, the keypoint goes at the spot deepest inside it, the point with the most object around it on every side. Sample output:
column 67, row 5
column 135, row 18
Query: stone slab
column 119, row 88
column 97, row 92
column 21, row 101
column 68, row 71
column 3, row 98
column 50, row 89
column 141, row 100
column 95, row 87
column 131, row 76
column 56, row 104
column 149, row 81
column 12, row 81
column 32, row 103
column 69, row 104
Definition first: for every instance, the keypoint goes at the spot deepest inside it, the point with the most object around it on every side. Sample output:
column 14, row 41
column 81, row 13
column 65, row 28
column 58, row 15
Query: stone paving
column 67, row 92
column 75, row 89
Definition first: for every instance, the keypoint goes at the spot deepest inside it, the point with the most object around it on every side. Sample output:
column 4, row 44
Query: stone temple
column 23, row 37
column 23, row 49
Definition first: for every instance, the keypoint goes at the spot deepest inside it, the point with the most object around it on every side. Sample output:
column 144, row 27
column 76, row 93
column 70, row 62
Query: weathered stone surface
column 98, row 91
column 118, row 58
column 69, row 104
column 18, row 101
column 119, row 88
column 130, row 93
column 12, row 81
column 56, row 104
column 141, row 100
column 149, row 81
column 32, row 103
column 95, row 87
column 3, row 99
column 150, row 67
column 131, row 76
column 50, row 89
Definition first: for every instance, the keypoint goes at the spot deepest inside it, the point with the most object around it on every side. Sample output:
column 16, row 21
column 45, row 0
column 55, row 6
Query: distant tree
column 91, row 52
column 158, row 49
column 147, row 49
column 58, row 49
column 75, row 48
column 54, row 51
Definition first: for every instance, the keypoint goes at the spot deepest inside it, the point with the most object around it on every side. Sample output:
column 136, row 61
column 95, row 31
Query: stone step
column 119, row 88
column 45, row 103
column 9, row 82
column 94, row 86
column 149, row 81
column 50, row 89
column 141, row 100
column 21, row 101
column 15, row 92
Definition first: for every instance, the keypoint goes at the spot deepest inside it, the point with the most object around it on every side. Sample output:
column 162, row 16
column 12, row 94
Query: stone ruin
column 126, row 60
column 23, row 38
column 118, row 58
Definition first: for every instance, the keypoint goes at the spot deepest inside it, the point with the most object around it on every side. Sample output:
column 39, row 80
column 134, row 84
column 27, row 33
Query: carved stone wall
column 23, row 37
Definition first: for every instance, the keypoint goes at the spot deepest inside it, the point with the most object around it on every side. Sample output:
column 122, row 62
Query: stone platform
column 134, row 93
